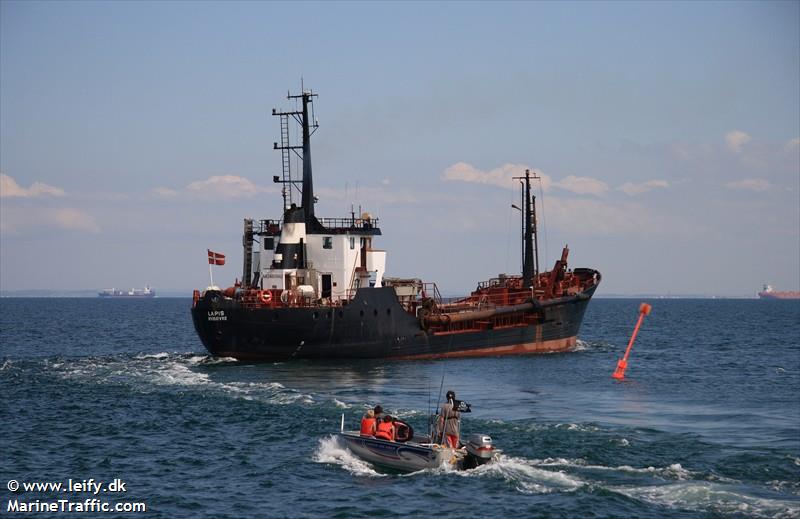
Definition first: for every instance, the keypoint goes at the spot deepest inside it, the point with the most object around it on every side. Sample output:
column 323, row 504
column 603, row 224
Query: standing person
column 450, row 421
column 368, row 423
column 385, row 429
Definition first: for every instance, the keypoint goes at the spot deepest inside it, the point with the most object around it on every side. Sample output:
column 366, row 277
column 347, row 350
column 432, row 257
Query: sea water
column 705, row 424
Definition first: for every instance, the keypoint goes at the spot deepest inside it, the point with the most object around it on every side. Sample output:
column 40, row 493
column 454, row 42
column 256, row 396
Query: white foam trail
column 526, row 476
column 330, row 450
column 581, row 345
column 208, row 360
column 579, row 427
column 671, row 472
column 711, row 497
column 340, row 404
column 162, row 355
column 164, row 369
column 179, row 375
column 5, row 365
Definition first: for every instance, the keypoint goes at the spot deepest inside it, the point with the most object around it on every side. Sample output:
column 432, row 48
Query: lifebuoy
column 265, row 296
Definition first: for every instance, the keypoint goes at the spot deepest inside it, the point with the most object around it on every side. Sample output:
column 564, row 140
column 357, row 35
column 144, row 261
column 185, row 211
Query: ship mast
column 308, row 126
column 530, row 241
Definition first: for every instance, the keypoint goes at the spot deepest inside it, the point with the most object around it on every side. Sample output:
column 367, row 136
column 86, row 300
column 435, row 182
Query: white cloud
column 502, row 176
column 750, row 184
column 73, row 219
column 736, row 139
column 9, row 188
column 583, row 185
column 793, row 145
column 632, row 189
column 583, row 216
column 221, row 186
column 17, row 219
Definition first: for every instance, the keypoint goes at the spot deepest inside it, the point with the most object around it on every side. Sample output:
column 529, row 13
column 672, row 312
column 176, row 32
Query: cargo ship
column 770, row 293
column 316, row 288
column 132, row 293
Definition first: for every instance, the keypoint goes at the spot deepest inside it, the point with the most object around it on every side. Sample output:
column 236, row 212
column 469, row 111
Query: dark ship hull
column 375, row 325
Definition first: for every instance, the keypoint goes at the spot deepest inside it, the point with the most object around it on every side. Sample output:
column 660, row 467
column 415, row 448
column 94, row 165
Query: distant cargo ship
column 771, row 293
column 134, row 292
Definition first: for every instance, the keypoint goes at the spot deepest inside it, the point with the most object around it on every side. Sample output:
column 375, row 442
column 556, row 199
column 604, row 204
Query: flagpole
column 210, row 275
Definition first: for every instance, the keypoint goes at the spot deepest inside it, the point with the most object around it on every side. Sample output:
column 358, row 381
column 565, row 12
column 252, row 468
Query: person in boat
column 378, row 410
column 368, row 423
column 402, row 431
column 449, row 426
column 385, row 429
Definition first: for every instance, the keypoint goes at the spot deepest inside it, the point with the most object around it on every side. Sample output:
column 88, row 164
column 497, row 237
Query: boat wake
column 704, row 496
column 332, row 451
column 526, row 475
column 671, row 486
column 160, row 371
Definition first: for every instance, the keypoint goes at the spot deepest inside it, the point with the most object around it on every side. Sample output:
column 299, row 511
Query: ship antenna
column 530, row 257
column 544, row 222
column 302, row 117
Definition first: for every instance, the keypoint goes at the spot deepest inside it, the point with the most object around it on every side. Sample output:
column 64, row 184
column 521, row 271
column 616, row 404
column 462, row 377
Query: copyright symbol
column 13, row 485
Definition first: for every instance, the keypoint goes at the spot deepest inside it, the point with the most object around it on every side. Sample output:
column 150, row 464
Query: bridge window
column 327, row 242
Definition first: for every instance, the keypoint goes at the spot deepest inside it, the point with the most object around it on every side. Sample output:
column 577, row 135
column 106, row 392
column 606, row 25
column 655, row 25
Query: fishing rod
column 438, row 399
column 430, row 432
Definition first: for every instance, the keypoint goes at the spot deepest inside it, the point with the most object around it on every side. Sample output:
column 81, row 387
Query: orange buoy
column 265, row 296
column 622, row 365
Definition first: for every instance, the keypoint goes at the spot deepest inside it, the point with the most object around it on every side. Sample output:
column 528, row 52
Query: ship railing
column 490, row 299
column 349, row 223
column 270, row 227
column 430, row 290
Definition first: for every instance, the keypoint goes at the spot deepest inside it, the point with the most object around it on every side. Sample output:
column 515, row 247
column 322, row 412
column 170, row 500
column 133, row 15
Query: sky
column 135, row 135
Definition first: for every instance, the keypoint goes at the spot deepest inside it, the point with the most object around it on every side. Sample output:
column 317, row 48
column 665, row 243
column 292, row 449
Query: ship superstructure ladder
column 291, row 185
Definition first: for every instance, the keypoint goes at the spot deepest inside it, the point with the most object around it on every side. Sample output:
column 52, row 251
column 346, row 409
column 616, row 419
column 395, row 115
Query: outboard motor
column 479, row 450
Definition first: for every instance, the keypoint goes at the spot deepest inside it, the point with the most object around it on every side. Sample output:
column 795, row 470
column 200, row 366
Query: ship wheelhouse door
column 326, row 286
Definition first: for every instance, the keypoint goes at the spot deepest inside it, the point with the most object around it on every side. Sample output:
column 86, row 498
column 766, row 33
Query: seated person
column 402, row 431
column 368, row 424
column 385, row 429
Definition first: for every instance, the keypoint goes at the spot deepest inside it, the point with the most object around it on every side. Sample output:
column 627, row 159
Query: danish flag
column 215, row 258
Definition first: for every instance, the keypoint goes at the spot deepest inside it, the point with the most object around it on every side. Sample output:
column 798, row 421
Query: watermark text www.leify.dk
column 26, row 502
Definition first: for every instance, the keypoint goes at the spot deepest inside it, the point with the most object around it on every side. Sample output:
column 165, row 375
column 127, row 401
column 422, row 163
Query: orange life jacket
column 385, row 431
column 367, row 426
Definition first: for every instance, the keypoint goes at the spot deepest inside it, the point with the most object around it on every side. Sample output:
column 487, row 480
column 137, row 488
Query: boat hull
column 372, row 325
column 406, row 457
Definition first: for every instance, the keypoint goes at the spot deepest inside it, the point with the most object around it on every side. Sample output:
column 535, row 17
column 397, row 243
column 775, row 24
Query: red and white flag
column 215, row 258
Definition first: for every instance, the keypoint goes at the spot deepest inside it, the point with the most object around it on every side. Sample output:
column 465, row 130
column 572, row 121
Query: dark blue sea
column 706, row 424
